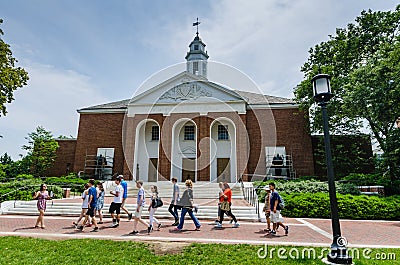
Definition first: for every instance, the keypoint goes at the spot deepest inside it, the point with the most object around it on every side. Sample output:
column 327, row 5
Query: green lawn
column 19, row 250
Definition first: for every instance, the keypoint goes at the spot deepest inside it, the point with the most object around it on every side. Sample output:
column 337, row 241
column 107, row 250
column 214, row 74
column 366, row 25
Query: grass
column 21, row 250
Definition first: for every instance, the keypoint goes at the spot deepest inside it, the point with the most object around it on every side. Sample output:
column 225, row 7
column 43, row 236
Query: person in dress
column 41, row 195
column 100, row 202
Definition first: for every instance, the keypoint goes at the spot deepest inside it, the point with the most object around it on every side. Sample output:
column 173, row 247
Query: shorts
column 90, row 211
column 276, row 217
column 139, row 214
column 123, row 202
column 115, row 207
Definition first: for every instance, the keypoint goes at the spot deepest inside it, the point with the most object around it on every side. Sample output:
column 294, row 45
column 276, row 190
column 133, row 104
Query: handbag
column 157, row 202
column 224, row 206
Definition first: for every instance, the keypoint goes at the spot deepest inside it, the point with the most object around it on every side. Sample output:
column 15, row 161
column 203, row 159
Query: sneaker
column 81, row 228
column 101, row 222
column 88, row 225
column 134, row 233
column 159, row 226
column 198, row 228
column 176, row 223
column 236, row 225
column 176, row 229
column 149, row 229
column 96, row 229
column 114, row 225
column 286, row 230
column 218, row 225
column 273, row 232
column 129, row 216
column 74, row 223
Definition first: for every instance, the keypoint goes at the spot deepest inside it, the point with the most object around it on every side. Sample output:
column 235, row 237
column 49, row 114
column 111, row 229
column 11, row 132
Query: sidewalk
column 302, row 232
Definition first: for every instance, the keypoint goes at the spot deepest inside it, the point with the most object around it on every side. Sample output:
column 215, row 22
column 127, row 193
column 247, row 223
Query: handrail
column 250, row 195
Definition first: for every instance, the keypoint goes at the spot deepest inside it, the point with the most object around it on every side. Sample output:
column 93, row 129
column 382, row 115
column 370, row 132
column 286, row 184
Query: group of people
column 93, row 203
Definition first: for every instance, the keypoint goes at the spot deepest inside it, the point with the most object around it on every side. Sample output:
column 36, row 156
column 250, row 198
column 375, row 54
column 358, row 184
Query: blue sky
column 83, row 53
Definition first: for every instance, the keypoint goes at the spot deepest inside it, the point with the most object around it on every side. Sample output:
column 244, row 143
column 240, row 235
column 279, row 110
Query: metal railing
column 251, row 196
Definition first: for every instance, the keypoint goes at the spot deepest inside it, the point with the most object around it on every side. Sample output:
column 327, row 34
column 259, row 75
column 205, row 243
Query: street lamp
column 322, row 95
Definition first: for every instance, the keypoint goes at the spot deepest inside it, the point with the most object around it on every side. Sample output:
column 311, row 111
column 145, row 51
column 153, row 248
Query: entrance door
column 188, row 169
column 153, row 162
column 223, row 170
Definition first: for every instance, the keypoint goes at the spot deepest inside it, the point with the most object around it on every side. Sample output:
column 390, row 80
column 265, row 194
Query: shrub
column 308, row 186
column 317, row 205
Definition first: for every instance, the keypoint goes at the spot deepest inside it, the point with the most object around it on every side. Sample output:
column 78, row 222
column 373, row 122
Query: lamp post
column 322, row 95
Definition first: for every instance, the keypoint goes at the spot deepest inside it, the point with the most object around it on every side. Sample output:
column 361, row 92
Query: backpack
column 281, row 202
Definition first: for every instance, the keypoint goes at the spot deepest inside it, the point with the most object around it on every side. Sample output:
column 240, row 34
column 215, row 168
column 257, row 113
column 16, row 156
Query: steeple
column 196, row 58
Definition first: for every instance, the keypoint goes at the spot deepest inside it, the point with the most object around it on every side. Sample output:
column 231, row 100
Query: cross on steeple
column 197, row 23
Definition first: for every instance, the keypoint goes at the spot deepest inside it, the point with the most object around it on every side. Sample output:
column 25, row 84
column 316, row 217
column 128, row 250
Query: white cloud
column 50, row 99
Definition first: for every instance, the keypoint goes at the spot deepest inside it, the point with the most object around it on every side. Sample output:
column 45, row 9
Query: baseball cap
column 120, row 177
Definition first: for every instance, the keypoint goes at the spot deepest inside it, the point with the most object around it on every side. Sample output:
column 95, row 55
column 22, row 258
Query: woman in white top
column 152, row 209
column 85, row 203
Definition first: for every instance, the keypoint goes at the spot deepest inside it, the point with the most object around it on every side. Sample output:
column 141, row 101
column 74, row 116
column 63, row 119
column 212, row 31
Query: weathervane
column 197, row 25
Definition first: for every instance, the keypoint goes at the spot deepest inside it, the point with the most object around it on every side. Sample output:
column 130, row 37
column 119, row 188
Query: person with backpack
column 276, row 205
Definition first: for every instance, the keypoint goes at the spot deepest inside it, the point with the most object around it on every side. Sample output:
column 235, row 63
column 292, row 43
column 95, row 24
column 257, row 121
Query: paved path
column 303, row 232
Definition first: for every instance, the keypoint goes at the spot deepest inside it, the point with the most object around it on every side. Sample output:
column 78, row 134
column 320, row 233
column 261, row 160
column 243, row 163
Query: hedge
column 317, row 205
column 306, row 186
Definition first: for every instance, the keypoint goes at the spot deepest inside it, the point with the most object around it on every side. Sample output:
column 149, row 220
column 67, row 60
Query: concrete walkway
column 303, row 232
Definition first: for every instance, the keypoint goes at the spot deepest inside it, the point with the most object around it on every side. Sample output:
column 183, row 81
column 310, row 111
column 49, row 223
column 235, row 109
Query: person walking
column 152, row 209
column 41, row 195
column 84, row 206
column 173, row 207
column 100, row 201
column 115, row 206
column 124, row 185
column 92, row 193
column 276, row 217
column 225, row 206
column 140, row 202
column 187, row 207
column 267, row 208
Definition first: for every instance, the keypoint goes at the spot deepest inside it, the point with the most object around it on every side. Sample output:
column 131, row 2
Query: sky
column 84, row 53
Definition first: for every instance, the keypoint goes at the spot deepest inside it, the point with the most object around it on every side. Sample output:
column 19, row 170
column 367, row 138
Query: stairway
column 205, row 195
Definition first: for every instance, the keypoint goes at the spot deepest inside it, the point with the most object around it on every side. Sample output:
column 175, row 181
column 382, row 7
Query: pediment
column 185, row 87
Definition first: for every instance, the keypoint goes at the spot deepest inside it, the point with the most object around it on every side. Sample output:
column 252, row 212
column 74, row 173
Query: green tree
column 41, row 149
column 11, row 77
column 364, row 63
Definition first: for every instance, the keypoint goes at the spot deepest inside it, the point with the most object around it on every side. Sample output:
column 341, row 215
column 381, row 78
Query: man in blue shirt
column 92, row 193
column 124, row 185
column 276, row 217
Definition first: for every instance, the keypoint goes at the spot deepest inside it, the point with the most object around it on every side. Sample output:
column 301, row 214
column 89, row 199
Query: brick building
column 191, row 127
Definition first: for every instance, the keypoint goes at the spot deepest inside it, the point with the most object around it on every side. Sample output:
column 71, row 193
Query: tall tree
column 41, row 149
column 364, row 63
column 11, row 77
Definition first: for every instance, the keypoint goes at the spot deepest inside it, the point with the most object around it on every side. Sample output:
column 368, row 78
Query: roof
column 116, row 105
column 257, row 99
column 250, row 97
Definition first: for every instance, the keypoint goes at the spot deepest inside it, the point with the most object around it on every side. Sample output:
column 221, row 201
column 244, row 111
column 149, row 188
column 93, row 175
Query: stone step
column 74, row 209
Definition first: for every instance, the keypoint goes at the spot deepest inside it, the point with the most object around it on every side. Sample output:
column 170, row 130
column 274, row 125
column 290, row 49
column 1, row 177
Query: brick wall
column 64, row 163
column 99, row 131
column 279, row 127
